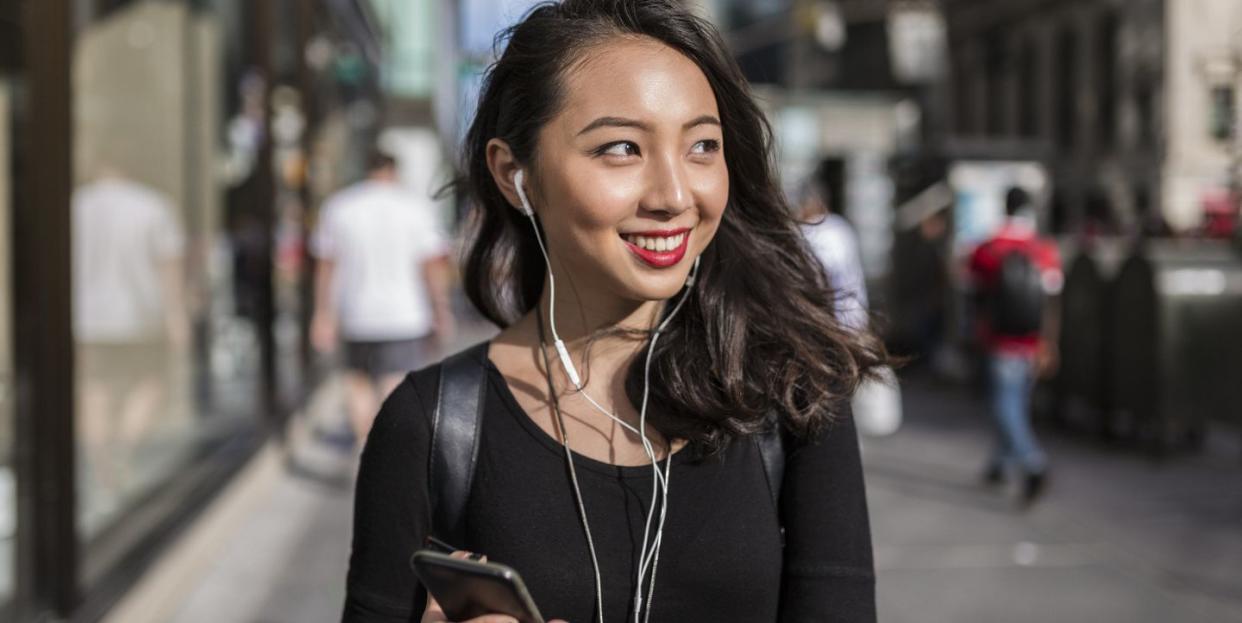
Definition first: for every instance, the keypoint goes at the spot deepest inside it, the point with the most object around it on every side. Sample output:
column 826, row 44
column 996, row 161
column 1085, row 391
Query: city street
column 1117, row 538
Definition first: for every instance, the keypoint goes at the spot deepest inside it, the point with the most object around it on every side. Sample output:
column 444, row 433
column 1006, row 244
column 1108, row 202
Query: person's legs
column 999, row 399
column 1020, row 373
column 387, row 383
column 140, row 408
column 361, row 402
column 98, row 431
column 393, row 360
column 1012, row 377
column 360, row 398
column 375, row 368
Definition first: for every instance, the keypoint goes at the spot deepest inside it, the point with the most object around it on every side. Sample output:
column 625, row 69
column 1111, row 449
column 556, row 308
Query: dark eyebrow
column 703, row 120
column 621, row 122
column 613, row 122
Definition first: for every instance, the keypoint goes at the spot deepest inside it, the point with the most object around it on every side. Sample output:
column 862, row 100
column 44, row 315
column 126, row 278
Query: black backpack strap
column 771, row 444
column 455, row 439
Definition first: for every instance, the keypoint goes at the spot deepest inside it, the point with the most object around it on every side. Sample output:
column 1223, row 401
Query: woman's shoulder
column 405, row 421
column 405, row 417
column 419, row 391
column 836, row 429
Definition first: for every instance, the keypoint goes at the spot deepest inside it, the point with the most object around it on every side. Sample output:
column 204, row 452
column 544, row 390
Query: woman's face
column 631, row 180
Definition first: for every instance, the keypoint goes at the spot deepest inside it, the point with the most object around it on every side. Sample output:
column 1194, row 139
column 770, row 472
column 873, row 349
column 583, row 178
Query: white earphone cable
column 649, row 554
column 573, row 477
column 654, row 556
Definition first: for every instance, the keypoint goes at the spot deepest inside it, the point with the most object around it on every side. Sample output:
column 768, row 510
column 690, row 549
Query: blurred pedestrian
column 667, row 351
column 835, row 244
column 877, row 403
column 130, row 320
column 1016, row 276
column 381, row 286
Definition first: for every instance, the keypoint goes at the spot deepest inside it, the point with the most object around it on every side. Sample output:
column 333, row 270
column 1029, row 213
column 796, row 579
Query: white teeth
column 659, row 245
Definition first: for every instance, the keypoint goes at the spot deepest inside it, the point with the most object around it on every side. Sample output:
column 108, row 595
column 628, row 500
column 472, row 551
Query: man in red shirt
column 1017, row 277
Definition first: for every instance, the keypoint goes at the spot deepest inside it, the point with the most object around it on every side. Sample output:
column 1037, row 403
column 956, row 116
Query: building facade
column 1129, row 102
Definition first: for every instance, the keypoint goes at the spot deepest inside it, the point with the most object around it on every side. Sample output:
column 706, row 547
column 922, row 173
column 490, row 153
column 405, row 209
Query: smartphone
column 469, row 588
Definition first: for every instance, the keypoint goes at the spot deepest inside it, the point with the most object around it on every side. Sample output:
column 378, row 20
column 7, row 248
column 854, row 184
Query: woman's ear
column 503, row 166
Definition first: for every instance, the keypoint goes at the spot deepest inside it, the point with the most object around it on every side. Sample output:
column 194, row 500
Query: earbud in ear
column 518, row 178
column 561, row 351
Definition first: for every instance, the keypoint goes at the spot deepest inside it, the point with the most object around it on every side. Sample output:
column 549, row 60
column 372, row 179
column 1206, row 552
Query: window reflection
column 131, row 328
column 166, row 347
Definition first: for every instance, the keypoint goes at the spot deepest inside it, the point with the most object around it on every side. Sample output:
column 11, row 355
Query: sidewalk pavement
column 1118, row 538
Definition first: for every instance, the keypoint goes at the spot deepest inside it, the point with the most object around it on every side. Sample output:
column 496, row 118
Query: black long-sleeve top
column 722, row 558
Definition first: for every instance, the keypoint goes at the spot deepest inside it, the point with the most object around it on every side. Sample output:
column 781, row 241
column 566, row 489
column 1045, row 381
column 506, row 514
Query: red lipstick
column 660, row 259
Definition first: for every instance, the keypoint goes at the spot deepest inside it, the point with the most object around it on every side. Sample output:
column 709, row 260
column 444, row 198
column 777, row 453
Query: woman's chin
column 656, row 289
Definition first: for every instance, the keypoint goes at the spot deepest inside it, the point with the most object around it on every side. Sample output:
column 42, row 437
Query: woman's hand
column 433, row 613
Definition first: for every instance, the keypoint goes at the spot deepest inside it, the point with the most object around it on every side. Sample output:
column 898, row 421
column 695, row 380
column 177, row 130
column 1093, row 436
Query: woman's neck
column 602, row 333
column 601, row 357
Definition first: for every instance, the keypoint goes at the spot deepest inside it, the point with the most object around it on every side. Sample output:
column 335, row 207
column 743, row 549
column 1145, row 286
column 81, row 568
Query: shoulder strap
column 455, row 439
column 771, row 444
column 455, row 442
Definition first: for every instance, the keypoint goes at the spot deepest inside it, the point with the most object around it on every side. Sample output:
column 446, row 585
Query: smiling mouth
column 658, row 249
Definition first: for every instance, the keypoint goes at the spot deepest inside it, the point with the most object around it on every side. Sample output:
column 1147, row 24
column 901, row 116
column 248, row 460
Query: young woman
column 630, row 134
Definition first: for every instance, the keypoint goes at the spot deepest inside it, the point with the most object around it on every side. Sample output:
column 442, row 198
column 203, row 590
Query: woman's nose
column 669, row 188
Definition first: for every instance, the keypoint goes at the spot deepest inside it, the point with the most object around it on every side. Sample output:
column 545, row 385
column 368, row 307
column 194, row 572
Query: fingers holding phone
column 434, row 614
column 465, row 588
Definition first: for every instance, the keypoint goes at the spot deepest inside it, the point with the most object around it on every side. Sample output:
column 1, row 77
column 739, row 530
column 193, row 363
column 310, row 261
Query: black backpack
column 455, row 443
column 1016, row 304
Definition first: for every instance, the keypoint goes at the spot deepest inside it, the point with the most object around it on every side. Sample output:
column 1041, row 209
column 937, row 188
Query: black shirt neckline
column 501, row 387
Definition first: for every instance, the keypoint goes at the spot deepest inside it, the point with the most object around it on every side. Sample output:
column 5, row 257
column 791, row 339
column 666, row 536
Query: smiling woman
column 616, row 153
column 635, row 151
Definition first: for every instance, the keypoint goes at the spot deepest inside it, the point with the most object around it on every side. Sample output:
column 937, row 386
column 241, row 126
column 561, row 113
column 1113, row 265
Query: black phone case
column 467, row 588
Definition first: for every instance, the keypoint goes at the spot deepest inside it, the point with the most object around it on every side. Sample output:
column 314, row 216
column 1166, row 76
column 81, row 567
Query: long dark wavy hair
column 757, row 335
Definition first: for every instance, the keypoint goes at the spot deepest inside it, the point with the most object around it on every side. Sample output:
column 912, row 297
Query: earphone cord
column 644, row 555
column 647, row 447
column 654, row 558
column 647, row 554
column 573, row 473
column 650, row 553
column 551, row 287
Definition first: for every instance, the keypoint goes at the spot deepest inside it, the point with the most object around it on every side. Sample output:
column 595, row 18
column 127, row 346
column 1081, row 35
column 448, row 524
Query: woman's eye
column 619, row 148
column 707, row 146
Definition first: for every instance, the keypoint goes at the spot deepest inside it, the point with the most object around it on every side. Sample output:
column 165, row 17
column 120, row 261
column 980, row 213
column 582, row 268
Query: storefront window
column 167, row 354
column 155, row 187
column 1222, row 113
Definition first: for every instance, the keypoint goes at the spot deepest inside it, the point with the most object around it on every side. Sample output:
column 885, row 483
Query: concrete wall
column 147, row 85
column 130, row 98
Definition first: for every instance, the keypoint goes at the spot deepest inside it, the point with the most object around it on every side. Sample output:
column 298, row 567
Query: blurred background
column 172, row 448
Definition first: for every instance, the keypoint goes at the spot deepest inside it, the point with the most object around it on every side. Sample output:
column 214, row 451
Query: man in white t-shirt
column 129, row 320
column 381, row 286
column 835, row 245
column 877, row 402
